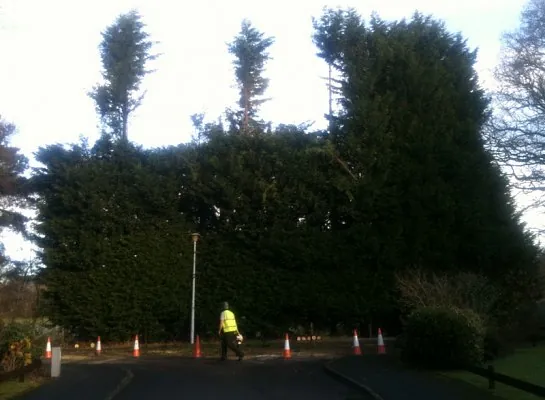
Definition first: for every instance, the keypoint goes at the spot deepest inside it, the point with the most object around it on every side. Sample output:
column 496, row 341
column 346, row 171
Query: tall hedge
column 296, row 227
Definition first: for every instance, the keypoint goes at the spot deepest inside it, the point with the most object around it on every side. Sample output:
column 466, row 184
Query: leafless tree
column 516, row 132
column 462, row 290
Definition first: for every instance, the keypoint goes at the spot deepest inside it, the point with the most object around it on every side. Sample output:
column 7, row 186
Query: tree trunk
column 245, row 122
column 330, row 98
column 125, row 122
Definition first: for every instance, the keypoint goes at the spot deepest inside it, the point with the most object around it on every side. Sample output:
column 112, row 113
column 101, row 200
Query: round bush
column 446, row 338
column 16, row 332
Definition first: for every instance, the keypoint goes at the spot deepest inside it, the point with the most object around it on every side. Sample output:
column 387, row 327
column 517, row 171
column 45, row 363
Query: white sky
column 50, row 60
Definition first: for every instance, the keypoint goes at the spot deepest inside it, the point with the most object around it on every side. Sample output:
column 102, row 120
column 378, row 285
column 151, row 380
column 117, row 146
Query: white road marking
column 104, row 361
column 122, row 385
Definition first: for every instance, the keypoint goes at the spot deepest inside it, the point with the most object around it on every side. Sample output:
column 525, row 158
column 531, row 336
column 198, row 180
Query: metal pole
column 192, row 338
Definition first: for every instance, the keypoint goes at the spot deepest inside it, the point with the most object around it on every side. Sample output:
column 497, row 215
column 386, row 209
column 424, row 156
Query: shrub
column 18, row 355
column 532, row 323
column 18, row 345
column 492, row 343
column 441, row 337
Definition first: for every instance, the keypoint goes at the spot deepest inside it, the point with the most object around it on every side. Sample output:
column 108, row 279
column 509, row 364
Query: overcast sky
column 50, row 61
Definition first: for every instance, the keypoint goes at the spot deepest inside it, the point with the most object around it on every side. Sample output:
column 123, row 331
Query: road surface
column 177, row 378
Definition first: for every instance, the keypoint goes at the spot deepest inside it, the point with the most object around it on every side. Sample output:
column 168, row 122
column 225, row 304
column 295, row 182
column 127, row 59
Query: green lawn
column 527, row 364
column 10, row 389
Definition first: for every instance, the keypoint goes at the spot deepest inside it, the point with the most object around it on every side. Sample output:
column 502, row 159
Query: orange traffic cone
column 136, row 350
column 287, row 350
column 99, row 347
column 356, row 344
column 48, row 348
column 381, row 347
column 197, row 349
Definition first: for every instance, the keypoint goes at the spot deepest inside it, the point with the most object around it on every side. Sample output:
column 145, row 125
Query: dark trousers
column 229, row 340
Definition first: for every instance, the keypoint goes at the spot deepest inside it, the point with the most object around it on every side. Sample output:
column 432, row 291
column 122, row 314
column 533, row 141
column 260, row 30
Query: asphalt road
column 177, row 378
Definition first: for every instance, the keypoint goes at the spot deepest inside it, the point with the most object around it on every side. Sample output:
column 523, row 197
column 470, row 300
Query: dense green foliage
column 440, row 337
column 113, row 239
column 296, row 227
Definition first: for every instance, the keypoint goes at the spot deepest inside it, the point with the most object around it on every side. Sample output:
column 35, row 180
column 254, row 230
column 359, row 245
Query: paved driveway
column 177, row 378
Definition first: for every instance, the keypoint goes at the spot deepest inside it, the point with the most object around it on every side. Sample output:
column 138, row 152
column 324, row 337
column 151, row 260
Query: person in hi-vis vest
column 228, row 332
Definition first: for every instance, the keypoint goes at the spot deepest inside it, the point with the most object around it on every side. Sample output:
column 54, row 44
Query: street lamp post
column 195, row 237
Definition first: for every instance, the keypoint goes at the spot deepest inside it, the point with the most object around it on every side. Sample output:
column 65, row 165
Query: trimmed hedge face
column 437, row 337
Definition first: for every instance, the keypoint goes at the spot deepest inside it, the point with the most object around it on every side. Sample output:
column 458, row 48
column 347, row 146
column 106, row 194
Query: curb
column 349, row 381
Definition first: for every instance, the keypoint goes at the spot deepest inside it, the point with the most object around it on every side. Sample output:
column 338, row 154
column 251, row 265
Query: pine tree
column 125, row 51
column 250, row 48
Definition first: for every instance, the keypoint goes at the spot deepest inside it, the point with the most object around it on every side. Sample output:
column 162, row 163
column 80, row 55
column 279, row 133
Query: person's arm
column 222, row 318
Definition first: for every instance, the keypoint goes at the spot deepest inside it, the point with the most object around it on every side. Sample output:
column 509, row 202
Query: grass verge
column 525, row 364
column 12, row 389
column 212, row 349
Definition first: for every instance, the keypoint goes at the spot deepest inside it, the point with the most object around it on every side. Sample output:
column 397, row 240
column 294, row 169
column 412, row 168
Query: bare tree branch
column 515, row 135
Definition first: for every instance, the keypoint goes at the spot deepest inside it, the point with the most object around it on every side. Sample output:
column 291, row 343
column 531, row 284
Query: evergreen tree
column 427, row 193
column 250, row 49
column 125, row 51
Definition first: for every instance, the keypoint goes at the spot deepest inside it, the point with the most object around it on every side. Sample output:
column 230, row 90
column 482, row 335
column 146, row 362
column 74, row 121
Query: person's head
column 225, row 305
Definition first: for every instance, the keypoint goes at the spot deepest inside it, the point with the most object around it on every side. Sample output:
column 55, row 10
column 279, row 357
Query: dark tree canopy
column 410, row 131
column 112, row 239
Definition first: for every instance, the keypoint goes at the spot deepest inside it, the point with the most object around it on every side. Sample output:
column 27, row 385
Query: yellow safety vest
column 229, row 323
